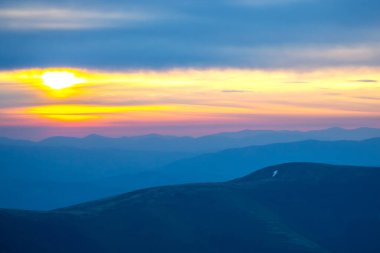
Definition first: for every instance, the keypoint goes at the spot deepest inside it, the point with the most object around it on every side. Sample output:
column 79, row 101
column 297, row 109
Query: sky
column 187, row 67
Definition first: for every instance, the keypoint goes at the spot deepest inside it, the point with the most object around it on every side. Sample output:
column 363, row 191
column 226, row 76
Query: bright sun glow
column 60, row 80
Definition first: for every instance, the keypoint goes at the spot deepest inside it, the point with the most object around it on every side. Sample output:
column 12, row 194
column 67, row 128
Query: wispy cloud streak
column 50, row 18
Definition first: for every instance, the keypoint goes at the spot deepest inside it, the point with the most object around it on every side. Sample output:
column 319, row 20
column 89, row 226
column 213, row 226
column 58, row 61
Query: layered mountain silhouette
column 288, row 208
column 234, row 163
column 50, row 177
column 208, row 143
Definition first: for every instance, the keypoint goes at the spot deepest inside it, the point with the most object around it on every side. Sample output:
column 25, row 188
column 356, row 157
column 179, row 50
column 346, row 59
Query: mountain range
column 232, row 163
column 288, row 208
column 197, row 145
column 42, row 178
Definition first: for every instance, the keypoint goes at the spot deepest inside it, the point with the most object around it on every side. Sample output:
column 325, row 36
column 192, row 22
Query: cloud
column 234, row 91
column 58, row 18
column 366, row 81
column 147, row 34
column 333, row 94
column 307, row 56
column 258, row 3
column 297, row 82
column 368, row 98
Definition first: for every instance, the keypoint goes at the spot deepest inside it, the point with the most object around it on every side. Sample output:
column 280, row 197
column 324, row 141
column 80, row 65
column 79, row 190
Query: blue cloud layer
column 167, row 33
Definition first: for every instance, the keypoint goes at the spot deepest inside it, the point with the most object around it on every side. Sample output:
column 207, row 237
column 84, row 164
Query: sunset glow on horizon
column 255, row 98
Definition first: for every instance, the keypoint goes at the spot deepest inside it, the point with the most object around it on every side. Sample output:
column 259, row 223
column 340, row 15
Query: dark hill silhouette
column 288, row 208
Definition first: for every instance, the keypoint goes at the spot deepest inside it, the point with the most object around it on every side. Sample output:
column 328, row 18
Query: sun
column 59, row 80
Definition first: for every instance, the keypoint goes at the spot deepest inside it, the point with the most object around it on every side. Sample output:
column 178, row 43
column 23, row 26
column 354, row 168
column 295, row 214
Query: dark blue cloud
column 193, row 34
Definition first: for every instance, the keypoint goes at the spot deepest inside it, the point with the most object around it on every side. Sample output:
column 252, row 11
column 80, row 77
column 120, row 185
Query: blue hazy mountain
column 208, row 143
column 75, row 164
column 234, row 163
column 39, row 177
column 288, row 208
column 49, row 177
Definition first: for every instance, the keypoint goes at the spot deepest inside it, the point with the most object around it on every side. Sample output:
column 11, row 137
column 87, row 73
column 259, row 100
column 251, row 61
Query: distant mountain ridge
column 288, row 208
column 233, row 163
column 208, row 143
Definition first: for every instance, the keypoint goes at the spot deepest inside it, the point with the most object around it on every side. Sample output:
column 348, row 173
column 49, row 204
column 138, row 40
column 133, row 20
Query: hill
column 296, row 207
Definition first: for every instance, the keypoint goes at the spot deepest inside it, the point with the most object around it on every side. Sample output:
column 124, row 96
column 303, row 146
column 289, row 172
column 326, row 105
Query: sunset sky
column 187, row 67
